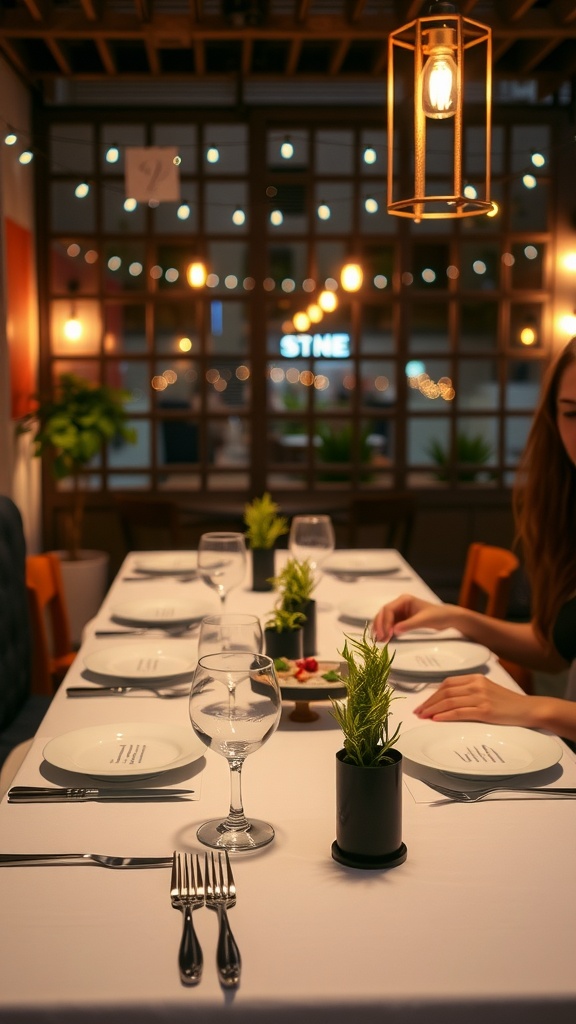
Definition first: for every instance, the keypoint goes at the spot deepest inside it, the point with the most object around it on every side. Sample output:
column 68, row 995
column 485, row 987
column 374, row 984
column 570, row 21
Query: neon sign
column 320, row 346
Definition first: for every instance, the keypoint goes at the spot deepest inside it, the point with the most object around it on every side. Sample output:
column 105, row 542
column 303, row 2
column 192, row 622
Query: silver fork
column 220, row 895
column 186, row 893
column 472, row 796
column 110, row 691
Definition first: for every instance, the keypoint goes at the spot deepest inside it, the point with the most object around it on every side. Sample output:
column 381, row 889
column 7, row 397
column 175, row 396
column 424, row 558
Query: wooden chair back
column 486, row 586
column 52, row 652
column 391, row 515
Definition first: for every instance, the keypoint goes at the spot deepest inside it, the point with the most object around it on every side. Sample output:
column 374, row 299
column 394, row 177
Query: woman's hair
column 544, row 500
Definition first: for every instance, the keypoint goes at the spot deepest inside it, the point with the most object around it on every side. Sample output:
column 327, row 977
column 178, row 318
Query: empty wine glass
column 222, row 561
column 312, row 538
column 230, row 633
column 235, row 706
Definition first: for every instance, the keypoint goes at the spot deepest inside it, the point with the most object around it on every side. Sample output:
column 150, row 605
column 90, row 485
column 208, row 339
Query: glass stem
column 236, row 820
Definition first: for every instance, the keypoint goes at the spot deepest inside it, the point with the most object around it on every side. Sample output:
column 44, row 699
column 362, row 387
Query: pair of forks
column 217, row 891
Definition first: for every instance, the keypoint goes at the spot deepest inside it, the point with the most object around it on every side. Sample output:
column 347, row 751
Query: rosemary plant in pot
column 295, row 584
column 264, row 526
column 368, row 767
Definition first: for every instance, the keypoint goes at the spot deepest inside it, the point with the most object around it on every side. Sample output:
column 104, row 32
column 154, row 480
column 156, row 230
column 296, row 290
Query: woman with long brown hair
column 544, row 502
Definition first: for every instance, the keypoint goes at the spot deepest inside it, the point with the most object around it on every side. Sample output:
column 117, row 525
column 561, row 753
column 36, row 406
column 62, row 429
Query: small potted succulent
column 295, row 584
column 368, row 767
column 264, row 526
column 283, row 634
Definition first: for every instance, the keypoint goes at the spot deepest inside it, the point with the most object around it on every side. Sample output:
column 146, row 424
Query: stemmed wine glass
column 230, row 633
column 222, row 561
column 235, row 706
column 312, row 538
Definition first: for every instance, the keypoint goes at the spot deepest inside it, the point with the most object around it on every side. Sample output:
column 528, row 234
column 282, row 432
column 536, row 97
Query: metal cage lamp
column 435, row 53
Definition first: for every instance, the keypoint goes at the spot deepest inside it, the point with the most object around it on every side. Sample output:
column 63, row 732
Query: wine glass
column 230, row 633
column 312, row 538
column 222, row 561
column 235, row 706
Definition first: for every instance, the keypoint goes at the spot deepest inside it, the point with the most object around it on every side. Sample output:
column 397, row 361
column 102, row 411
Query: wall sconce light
column 196, row 274
column 351, row 277
column 428, row 57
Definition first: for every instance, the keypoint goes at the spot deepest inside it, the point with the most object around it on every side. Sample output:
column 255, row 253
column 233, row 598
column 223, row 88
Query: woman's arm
column 475, row 698
column 513, row 641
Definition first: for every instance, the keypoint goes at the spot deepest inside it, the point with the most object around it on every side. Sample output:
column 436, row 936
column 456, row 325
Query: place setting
column 350, row 566
column 425, row 661
column 180, row 566
column 172, row 617
column 148, row 669
column 465, row 762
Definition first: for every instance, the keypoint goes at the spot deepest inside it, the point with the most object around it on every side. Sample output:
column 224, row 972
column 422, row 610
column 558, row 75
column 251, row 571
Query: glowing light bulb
column 213, row 155
column 183, row 211
column 112, row 155
column 238, row 217
column 287, row 150
column 73, row 328
column 196, row 274
column 301, row 321
column 327, row 301
column 324, row 212
column 440, row 76
column 527, row 336
column 351, row 277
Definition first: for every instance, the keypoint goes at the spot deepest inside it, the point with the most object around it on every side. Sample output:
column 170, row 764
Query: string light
column 529, row 181
column 112, row 155
column 538, row 159
column 287, row 149
column 183, row 211
column 130, row 205
column 82, row 190
column 371, row 205
column 10, row 138
column 276, row 218
column 351, row 277
column 196, row 274
column 238, row 217
column 324, row 211
column 212, row 154
column 369, row 156
column 26, row 157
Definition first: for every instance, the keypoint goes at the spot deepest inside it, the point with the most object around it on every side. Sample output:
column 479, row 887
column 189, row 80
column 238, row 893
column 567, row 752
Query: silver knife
column 13, row 860
column 50, row 794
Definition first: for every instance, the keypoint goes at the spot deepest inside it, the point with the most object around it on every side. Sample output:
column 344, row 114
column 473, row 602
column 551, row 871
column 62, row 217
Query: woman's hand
column 476, row 698
column 407, row 612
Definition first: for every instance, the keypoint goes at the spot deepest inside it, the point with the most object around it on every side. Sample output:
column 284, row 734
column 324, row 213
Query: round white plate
column 449, row 657
column 130, row 749
column 147, row 661
column 363, row 563
column 362, row 610
column 169, row 562
column 162, row 613
column 478, row 750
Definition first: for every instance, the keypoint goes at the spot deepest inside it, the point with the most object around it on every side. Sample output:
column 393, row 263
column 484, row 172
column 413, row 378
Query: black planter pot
column 262, row 568
column 309, row 645
column 369, row 814
column 283, row 645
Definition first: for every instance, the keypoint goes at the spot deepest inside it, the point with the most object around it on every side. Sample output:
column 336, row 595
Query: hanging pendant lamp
column 434, row 66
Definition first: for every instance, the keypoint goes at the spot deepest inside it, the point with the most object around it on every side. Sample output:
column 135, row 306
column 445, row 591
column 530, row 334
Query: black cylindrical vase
column 283, row 645
column 262, row 568
column 369, row 814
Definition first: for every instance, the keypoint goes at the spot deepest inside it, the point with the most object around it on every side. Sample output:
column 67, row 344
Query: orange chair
column 485, row 587
column 52, row 652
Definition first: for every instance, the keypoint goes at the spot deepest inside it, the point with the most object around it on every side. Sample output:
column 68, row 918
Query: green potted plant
column 283, row 634
column 264, row 526
column 472, row 453
column 71, row 428
column 295, row 584
column 368, row 767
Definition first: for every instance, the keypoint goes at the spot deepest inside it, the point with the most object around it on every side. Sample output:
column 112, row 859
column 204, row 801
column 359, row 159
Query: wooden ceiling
column 264, row 40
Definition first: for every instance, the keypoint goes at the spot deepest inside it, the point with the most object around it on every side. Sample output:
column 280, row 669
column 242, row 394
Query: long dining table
column 476, row 925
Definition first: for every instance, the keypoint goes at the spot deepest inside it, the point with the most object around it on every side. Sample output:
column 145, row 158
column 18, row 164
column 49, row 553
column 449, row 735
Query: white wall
column 19, row 474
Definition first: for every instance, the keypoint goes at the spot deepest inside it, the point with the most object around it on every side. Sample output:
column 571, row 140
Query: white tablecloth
column 478, row 924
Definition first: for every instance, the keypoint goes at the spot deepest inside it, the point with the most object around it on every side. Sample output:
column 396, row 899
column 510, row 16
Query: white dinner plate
column 164, row 612
column 148, row 661
column 363, row 609
column 478, row 750
column 437, row 660
column 131, row 749
column 167, row 563
column 362, row 563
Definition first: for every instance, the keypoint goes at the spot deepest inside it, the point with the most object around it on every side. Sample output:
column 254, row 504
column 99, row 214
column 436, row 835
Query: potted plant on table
column 368, row 767
column 283, row 634
column 72, row 427
column 264, row 526
column 295, row 584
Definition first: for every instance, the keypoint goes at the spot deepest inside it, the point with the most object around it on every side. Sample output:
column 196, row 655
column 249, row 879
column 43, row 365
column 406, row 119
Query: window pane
column 165, row 219
column 228, row 329
column 428, row 328
column 73, row 267
column 75, row 327
column 337, row 198
column 118, row 220
column 528, row 267
column 428, row 440
column 229, row 261
column 231, row 142
column 124, row 329
column 67, row 213
column 429, row 385
column 526, row 326
column 133, row 376
column 122, row 454
column 529, row 206
column 478, row 386
column 221, row 203
column 478, row 326
column 184, row 136
column 176, row 331
column 377, row 330
column 287, row 263
column 334, row 152
column 125, row 264
column 118, row 137
column 71, row 148
column 430, row 263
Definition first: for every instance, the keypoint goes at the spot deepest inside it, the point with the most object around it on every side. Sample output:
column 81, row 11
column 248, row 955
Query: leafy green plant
column 294, row 586
column 337, row 445
column 265, row 524
column 284, row 621
column 471, row 450
column 364, row 716
column 73, row 426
